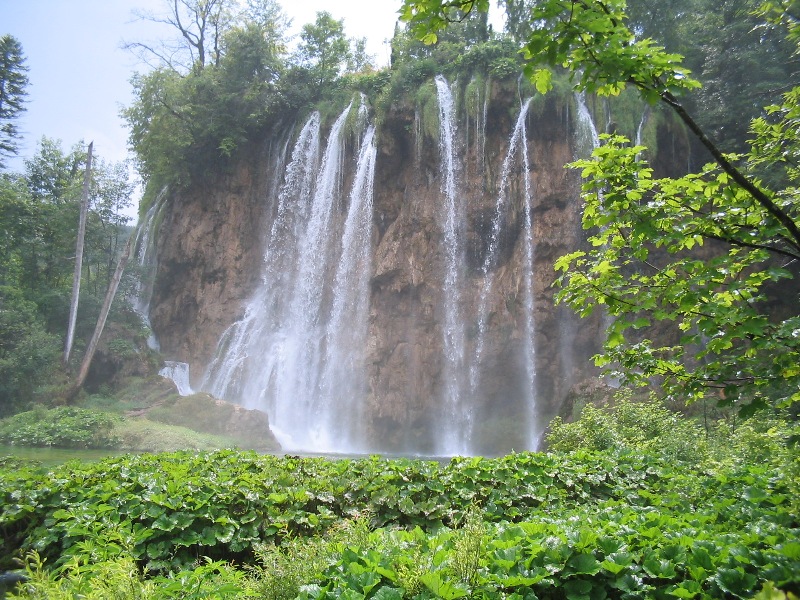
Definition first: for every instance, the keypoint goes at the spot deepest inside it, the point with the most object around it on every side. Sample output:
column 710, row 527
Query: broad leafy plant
column 620, row 523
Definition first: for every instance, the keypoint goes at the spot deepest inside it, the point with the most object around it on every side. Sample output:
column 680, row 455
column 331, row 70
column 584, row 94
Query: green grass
column 143, row 435
column 147, row 415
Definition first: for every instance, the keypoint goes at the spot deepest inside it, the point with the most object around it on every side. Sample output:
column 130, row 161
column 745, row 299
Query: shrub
column 63, row 427
column 631, row 426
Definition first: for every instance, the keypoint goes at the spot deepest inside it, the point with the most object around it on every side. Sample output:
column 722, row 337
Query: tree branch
column 758, row 195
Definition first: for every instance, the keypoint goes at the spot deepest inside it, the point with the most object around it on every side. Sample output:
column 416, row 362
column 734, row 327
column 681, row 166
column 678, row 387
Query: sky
column 79, row 75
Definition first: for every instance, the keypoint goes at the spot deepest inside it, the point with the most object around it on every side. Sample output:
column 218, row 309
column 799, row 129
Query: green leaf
column 790, row 550
column 686, row 589
column 656, row 567
column 542, row 79
column 583, row 564
column 617, row 562
column 735, row 581
column 388, row 593
column 577, row 589
column 441, row 588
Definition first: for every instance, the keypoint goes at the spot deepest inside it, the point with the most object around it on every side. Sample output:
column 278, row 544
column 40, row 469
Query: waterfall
column 145, row 253
column 146, row 235
column 456, row 417
column 588, row 138
column 230, row 370
column 481, row 108
column 300, row 341
column 534, row 427
column 588, row 141
column 482, row 134
column 518, row 139
column 516, row 158
column 178, row 372
column 343, row 376
column 640, row 128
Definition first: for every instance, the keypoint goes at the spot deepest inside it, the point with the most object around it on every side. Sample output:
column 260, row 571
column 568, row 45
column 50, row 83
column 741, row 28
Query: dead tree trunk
column 76, row 279
column 101, row 320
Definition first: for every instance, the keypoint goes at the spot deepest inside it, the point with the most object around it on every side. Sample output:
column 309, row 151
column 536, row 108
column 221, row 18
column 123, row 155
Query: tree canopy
column 222, row 78
column 38, row 228
column 324, row 47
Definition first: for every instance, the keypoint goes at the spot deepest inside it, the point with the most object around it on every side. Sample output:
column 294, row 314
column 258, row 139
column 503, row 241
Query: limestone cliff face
column 208, row 252
column 405, row 352
column 210, row 247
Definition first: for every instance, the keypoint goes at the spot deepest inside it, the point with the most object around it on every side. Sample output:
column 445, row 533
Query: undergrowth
column 226, row 524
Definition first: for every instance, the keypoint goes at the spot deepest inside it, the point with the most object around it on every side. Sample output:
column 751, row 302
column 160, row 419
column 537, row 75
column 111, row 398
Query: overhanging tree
column 705, row 252
column 194, row 112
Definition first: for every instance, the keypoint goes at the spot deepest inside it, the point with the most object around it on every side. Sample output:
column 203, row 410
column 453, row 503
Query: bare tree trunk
column 76, row 279
column 101, row 320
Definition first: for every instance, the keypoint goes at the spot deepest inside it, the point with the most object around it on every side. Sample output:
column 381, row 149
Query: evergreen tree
column 13, row 84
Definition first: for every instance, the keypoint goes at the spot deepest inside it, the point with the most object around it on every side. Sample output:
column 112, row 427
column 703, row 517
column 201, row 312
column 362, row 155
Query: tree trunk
column 76, row 279
column 101, row 320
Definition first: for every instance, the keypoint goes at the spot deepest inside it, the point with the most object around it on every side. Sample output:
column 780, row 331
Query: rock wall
column 210, row 246
column 209, row 252
column 405, row 354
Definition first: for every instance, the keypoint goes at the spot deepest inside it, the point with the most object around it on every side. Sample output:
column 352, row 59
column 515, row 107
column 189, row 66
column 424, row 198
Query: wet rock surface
column 211, row 244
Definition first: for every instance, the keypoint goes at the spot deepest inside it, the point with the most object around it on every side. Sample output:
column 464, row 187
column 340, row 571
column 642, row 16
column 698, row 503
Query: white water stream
column 456, row 415
column 464, row 364
column 298, row 349
column 146, row 235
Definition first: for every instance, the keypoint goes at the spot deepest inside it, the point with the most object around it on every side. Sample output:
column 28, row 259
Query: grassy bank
column 147, row 415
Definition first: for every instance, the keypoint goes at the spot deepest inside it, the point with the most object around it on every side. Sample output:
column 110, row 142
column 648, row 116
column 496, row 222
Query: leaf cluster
column 697, row 252
column 609, row 551
column 645, row 426
column 648, row 426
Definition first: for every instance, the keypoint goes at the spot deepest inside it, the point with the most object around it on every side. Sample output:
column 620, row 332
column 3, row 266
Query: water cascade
column 455, row 414
column 343, row 375
column 534, row 429
column 588, row 138
column 146, row 261
column 394, row 289
column 178, row 372
column 463, row 412
column 232, row 368
column 640, row 128
column 478, row 100
column 588, row 141
column 517, row 140
column 296, row 352
column 516, row 161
